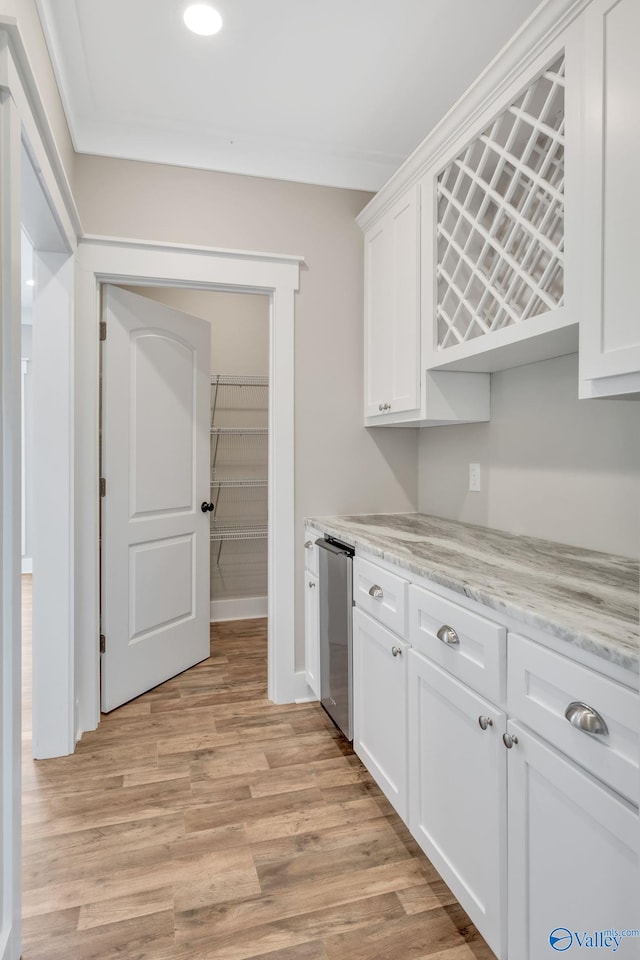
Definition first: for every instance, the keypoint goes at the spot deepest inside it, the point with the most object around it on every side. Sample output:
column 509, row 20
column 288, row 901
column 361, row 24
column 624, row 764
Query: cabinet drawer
column 381, row 594
column 476, row 647
column 541, row 686
column 311, row 551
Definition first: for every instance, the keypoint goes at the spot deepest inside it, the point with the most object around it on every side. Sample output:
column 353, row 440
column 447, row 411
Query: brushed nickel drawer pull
column 376, row 592
column 584, row 717
column 396, row 651
column 509, row 740
column 448, row 635
column 485, row 722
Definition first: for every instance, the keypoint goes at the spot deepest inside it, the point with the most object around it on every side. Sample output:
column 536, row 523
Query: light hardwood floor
column 201, row 822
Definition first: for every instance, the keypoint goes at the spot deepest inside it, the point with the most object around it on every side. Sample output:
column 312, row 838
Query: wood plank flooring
column 201, row 822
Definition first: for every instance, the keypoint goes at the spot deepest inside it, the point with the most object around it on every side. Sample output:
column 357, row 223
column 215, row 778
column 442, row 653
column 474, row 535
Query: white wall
column 339, row 466
column 552, row 466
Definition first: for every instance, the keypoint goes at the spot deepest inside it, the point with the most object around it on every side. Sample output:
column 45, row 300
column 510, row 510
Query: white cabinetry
column 469, row 646
column 493, row 229
column 458, row 792
column 311, row 613
column 311, row 633
column 392, row 321
column 515, row 767
column 398, row 390
column 381, row 594
column 573, row 855
column 380, row 706
column 529, row 224
column 380, row 677
column 610, row 331
column 545, row 690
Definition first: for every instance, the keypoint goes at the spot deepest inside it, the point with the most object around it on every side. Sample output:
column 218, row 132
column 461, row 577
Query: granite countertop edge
column 609, row 649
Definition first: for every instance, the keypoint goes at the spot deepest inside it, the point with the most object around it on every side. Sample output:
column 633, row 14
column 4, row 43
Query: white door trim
column 10, row 523
column 23, row 122
column 134, row 262
column 53, row 678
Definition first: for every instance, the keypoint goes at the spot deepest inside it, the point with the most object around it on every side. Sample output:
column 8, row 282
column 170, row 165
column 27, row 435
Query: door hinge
column 103, row 643
column 103, row 329
column 103, row 487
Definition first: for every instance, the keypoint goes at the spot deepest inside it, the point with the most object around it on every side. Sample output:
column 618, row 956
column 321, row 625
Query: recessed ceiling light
column 202, row 19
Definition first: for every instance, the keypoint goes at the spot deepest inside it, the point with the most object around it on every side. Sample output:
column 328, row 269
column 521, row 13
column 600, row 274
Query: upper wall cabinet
column 493, row 231
column 398, row 390
column 528, row 226
column 610, row 331
column 392, row 318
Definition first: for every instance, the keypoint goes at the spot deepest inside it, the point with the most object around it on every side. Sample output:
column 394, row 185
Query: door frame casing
column 23, row 123
column 141, row 263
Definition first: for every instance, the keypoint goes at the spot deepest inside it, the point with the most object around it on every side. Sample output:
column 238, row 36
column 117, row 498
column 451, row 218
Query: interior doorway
column 141, row 264
column 234, row 427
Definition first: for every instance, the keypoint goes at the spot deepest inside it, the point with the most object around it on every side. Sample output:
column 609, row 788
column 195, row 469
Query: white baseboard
column 27, row 564
column 246, row 608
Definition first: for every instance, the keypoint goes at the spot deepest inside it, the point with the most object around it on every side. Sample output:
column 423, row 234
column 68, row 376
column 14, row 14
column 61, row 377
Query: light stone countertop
column 583, row 597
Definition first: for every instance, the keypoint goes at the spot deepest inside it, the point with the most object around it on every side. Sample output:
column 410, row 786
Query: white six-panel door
column 155, row 537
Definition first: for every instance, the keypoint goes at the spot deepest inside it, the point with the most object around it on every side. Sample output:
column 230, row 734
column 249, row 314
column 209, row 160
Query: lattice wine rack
column 500, row 219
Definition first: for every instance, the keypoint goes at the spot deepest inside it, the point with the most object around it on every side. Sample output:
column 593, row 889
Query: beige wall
column 26, row 14
column 340, row 467
column 552, row 466
column 239, row 325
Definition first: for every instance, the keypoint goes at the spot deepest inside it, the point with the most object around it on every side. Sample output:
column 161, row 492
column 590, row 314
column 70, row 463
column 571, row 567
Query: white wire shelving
column 239, row 458
column 238, row 393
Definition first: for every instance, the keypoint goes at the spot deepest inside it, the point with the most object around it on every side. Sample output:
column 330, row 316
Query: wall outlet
column 474, row 477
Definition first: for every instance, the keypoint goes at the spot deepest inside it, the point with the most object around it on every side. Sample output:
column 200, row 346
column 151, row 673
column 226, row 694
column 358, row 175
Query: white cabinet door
column 311, row 551
column 311, row 632
column 610, row 332
column 573, row 857
column 380, row 706
column 392, row 317
column 457, row 799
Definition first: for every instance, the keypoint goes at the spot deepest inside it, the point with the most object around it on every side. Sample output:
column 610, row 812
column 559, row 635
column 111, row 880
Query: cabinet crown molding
column 547, row 22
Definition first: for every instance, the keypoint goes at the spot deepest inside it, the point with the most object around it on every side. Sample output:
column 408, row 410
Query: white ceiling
column 336, row 92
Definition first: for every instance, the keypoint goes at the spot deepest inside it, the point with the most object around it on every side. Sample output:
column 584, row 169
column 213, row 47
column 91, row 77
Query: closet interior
column 239, row 443
column 239, row 482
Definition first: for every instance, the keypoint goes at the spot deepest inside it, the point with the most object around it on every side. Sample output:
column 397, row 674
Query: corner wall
column 552, row 466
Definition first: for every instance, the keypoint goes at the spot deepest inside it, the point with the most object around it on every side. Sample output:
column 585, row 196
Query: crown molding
column 544, row 26
column 17, row 77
